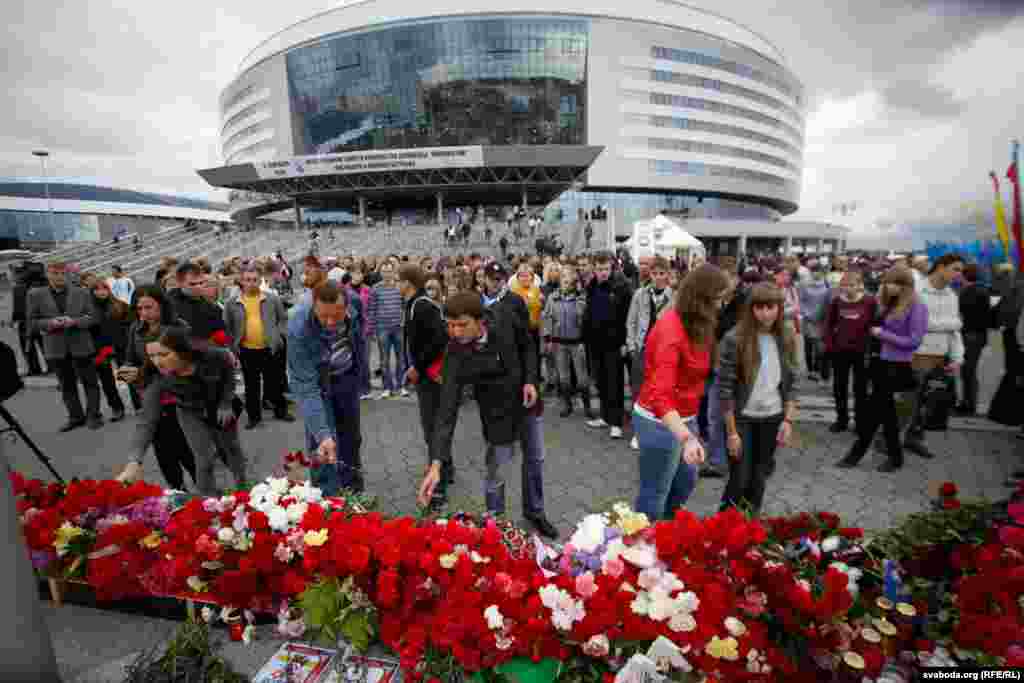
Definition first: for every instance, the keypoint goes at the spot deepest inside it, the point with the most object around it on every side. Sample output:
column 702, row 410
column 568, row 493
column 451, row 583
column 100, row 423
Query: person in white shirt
column 336, row 272
column 919, row 269
column 942, row 345
column 122, row 286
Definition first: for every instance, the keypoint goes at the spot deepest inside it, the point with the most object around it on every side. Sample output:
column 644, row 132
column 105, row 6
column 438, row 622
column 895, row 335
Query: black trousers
column 428, row 394
column 173, row 455
column 844, row 363
column 974, row 344
column 610, row 376
column 261, row 372
column 105, row 372
column 31, row 348
column 880, row 412
column 748, row 474
column 71, row 371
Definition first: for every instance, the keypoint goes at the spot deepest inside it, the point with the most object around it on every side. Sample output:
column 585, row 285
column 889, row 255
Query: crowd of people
column 710, row 353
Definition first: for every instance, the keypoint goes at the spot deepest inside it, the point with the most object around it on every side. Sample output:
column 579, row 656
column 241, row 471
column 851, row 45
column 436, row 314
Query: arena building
column 41, row 214
column 588, row 111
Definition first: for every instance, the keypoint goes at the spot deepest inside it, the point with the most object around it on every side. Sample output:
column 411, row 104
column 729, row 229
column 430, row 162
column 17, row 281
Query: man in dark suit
column 63, row 314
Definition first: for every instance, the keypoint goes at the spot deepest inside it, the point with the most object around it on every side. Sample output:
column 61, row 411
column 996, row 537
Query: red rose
column 924, row 645
column 829, row 519
column 851, row 532
column 258, row 521
column 950, row 503
column 948, row 489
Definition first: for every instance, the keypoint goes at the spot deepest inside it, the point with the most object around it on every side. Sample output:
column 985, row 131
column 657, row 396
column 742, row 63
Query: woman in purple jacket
column 900, row 330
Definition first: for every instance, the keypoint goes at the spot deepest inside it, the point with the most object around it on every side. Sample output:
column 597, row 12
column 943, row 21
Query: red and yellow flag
column 1014, row 175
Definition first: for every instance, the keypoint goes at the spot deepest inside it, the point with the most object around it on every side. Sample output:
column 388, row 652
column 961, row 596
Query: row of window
column 248, row 152
column 666, row 167
column 662, row 76
column 668, row 100
column 257, row 108
column 690, row 57
column 244, row 133
column 718, row 150
column 238, row 97
column 719, row 128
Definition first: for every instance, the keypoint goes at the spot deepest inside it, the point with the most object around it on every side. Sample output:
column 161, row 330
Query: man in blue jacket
column 325, row 355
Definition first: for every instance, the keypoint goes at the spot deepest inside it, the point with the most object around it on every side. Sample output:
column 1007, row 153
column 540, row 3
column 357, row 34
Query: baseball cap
column 494, row 268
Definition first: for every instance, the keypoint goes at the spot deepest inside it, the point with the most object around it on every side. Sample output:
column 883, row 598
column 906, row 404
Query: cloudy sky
column 912, row 102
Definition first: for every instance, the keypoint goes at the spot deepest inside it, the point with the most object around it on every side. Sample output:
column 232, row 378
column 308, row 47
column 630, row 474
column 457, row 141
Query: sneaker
column 597, row 423
column 616, row 432
column 384, row 394
column 366, row 397
column 404, row 393
column 634, row 444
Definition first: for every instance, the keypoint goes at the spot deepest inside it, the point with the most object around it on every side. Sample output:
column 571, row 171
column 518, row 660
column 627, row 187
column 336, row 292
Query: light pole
column 43, row 156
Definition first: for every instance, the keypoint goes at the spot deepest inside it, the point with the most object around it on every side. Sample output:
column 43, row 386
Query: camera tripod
column 14, row 426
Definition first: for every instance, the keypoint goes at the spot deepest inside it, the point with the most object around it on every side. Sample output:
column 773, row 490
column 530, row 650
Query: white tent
column 664, row 237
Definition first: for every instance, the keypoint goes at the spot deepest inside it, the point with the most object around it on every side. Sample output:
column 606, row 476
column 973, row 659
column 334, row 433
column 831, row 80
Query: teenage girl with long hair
column 677, row 359
column 901, row 327
column 757, row 391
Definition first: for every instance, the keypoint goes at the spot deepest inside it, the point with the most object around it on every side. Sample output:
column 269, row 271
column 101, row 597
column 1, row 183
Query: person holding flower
column 757, row 390
column 677, row 361
column 203, row 384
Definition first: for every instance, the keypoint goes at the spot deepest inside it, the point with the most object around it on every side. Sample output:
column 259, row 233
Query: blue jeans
column 716, row 427
column 531, row 441
column 386, row 341
column 666, row 482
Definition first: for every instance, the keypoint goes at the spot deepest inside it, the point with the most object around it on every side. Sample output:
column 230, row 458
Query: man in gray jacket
column 647, row 304
column 63, row 314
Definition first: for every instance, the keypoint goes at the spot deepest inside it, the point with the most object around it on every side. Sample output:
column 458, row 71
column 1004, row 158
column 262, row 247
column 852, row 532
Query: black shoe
column 918, row 448
column 838, row 427
column 851, row 459
column 72, row 424
column 711, row 472
column 117, row 416
column 284, row 417
column 964, row 410
column 888, row 466
column 542, row 525
column 437, row 502
column 252, row 424
column 566, row 408
column 95, row 423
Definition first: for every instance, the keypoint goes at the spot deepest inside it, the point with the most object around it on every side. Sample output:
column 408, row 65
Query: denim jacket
column 305, row 368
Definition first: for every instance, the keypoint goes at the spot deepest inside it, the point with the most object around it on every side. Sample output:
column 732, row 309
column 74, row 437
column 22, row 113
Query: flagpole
column 1015, row 179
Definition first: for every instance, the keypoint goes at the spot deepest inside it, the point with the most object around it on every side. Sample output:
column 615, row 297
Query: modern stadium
column 591, row 110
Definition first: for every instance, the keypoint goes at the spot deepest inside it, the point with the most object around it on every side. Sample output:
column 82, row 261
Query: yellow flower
column 633, row 522
column 65, row 534
column 315, row 538
column 723, row 649
column 448, row 561
column 196, row 584
column 152, row 541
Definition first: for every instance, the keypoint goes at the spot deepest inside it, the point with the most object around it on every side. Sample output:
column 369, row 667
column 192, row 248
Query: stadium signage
column 371, row 161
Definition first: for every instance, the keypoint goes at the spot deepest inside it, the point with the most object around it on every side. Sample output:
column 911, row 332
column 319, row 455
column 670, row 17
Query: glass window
column 724, row 108
column 31, row 226
column 445, row 82
column 663, row 167
column 762, row 76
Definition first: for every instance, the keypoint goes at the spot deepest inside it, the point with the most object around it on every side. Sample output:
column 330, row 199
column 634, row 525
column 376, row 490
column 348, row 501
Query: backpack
column 10, row 381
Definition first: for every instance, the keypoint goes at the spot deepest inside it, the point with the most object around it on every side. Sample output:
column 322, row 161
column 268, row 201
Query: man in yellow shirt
column 257, row 323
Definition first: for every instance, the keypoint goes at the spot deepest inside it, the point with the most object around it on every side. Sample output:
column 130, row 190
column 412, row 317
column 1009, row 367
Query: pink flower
column 586, row 586
column 597, row 646
column 614, row 568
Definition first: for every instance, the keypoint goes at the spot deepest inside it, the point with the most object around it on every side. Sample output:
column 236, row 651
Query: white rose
column 495, row 620
column 226, row 535
column 589, row 535
column 735, row 627
column 279, row 485
column 296, row 512
column 830, row 544
column 278, row 519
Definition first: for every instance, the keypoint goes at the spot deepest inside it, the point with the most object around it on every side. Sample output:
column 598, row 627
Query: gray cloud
column 129, row 91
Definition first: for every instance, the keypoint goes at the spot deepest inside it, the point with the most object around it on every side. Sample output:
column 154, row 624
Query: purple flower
column 41, row 559
column 611, row 533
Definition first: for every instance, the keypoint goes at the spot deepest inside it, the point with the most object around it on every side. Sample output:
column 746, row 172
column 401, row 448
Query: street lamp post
column 43, row 156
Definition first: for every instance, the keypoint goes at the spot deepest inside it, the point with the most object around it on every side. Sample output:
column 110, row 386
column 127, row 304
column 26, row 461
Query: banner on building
column 372, row 161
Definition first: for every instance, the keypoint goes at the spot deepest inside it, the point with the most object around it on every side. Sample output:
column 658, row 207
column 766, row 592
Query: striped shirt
column 385, row 312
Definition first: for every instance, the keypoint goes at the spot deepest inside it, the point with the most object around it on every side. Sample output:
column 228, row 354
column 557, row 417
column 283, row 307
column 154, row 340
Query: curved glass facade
column 502, row 81
column 633, row 206
column 33, row 226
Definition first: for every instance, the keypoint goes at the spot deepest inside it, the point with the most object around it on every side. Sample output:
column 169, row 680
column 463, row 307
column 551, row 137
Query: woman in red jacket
column 850, row 316
column 678, row 359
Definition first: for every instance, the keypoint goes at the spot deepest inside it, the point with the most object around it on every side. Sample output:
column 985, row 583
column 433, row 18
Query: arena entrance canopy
column 531, row 175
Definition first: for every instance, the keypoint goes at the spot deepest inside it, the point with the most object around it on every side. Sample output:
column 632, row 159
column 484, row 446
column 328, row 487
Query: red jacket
column 674, row 371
